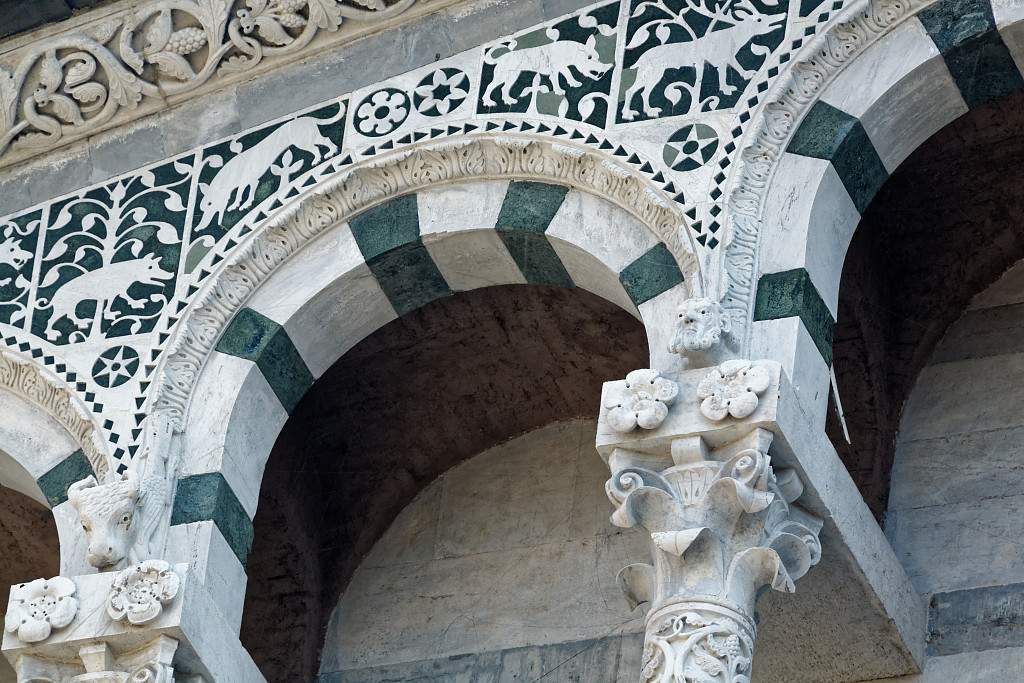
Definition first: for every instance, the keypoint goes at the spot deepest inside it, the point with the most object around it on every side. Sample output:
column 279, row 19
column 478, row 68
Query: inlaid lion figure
column 700, row 325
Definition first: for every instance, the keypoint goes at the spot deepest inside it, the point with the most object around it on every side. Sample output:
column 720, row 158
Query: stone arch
column 48, row 441
column 382, row 242
column 862, row 98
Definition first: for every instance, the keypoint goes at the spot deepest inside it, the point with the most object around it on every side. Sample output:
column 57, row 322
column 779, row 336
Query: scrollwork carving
column 27, row 379
column 786, row 104
column 75, row 84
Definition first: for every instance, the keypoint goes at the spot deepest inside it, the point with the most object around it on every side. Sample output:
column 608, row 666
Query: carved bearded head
column 699, row 326
column 107, row 512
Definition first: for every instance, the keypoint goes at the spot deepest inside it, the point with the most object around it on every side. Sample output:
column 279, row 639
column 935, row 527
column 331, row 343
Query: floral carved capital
column 722, row 527
column 34, row 609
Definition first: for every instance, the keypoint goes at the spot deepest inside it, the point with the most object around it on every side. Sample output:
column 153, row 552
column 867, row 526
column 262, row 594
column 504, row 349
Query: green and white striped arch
column 385, row 262
column 938, row 64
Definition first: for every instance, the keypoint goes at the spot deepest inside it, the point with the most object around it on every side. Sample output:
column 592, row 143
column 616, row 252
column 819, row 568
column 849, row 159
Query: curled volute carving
column 721, row 529
column 123, row 519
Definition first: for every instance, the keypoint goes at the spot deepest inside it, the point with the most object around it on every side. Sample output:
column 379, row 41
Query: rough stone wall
column 956, row 507
column 420, row 395
column 945, row 226
column 511, row 549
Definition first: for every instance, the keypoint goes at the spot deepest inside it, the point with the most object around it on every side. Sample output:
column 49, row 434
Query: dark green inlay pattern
column 536, row 258
column 830, row 133
column 54, row 484
column 207, row 497
column 386, row 227
column 257, row 338
column 651, row 274
column 976, row 619
column 978, row 59
column 789, row 294
column 389, row 238
column 530, row 206
column 409, row 277
column 526, row 213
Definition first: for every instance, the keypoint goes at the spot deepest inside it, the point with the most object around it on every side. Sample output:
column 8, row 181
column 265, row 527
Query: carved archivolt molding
column 476, row 157
column 120, row 67
column 25, row 378
column 789, row 99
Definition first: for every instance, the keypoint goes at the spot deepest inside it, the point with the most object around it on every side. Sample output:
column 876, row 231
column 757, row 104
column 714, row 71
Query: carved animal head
column 12, row 254
column 699, row 326
column 594, row 63
column 107, row 513
column 152, row 273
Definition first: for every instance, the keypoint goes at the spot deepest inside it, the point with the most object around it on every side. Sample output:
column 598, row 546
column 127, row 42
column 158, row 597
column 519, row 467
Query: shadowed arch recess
column 380, row 265
column 418, row 396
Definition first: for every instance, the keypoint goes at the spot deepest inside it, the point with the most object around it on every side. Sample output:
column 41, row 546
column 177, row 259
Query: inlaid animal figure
column 103, row 286
column 555, row 60
column 717, row 48
column 11, row 254
column 234, row 186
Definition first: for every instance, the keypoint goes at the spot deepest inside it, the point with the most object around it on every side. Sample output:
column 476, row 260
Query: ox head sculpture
column 107, row 512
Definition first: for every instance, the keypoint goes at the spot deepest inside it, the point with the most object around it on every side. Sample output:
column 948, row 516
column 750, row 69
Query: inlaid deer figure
column 718, row 47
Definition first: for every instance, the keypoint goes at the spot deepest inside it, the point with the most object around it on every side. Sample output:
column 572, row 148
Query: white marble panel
column 592, row 275
column 473, row 258
column 342, row 313
column 601, row 228
column 211, row 560
column 463, row 206
column 232, row 426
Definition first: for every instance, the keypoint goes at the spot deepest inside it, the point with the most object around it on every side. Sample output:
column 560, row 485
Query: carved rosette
column 722, row 528
column 34, row 609
column 138, row 594
column 732, row 389
column 643, row 401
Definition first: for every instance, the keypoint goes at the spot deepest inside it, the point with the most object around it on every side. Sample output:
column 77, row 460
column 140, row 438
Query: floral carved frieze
column 26, row 378
column 69, row 85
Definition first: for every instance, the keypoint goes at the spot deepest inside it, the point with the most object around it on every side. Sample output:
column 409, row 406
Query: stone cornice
column 474, row 157
column 788, row 101
column 27, row 379
column 109, row 68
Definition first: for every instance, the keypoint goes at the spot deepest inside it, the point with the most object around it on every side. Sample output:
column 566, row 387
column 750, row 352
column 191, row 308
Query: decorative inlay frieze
column 365, row 185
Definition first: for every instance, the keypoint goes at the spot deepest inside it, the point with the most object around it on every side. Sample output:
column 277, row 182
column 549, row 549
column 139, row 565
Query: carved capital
column 150, row 623
column 722, row 519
